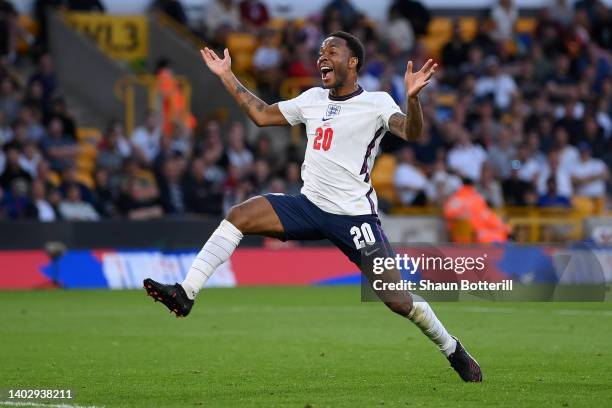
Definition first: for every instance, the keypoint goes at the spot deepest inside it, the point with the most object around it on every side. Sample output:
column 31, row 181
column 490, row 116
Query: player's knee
column 238, row 217
column 401, row 308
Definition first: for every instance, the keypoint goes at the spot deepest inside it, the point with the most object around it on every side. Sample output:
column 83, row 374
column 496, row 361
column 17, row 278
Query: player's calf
column 402, row 308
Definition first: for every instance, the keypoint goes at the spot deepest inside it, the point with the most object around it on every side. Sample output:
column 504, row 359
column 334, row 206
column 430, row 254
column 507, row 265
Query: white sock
column 216, row 250
column 424, row 317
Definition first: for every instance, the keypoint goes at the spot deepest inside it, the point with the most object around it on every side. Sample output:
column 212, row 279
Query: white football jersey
column 343, row 138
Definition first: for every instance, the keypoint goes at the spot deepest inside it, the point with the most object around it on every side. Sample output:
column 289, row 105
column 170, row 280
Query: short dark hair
column 354, row 45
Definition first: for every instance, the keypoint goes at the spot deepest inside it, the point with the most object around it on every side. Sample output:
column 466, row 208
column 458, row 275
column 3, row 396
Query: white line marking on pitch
column 36, row 404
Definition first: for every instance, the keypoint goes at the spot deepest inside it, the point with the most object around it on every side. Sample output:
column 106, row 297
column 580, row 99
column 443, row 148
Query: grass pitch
column 299, row 347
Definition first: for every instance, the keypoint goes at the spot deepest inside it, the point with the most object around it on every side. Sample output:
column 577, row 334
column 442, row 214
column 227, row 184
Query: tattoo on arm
column 247, row 101
column 408, row 127
column 396, row 124
column 413, row 127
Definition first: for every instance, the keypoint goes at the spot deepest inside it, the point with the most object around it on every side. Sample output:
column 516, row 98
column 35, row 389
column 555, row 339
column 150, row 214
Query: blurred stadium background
column 121, row 152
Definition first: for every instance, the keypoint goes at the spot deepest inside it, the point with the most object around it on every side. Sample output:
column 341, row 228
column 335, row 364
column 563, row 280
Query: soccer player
column 344, row 126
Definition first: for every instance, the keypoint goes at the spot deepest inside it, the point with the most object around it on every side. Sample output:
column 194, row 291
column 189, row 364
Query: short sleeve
column 387, row 107
column 292, row 109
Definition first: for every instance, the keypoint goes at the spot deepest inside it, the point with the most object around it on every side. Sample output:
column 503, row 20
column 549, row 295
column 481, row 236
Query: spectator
column 267, row 61
column 561, row 12
column 428, row 147
column 516, row 191
column 414, row 12
column 260, row 178
column 139, row 199
column 410, row 183
column 12, row 168
column 45, row 75
column 9, row 99
column 398, row 33
column 254, row 14
column 44, row 174
column 34, row 97
column 489, row 187
column 589, row 175
column 8, row 28
column 342, row 9
column 16, row 202
column 44, row 210
column 104, row 196
column 263, row 151
column 504, row 15
column 172, row 194
column 561, row 176
column 237, row 152
column 6, row 133
column 552, row 199
column 501, row 153
column 146, row 138
column 454, row 54
column 58, row 147
column 60, row 111
column 201, row 195
column 220, row 17
column 497, row 84
column 526, row 164
column 73, row 208
column 442, row 184
column 29, row 158
column 70, row 178
column 466, row 158
column 114, row 148
column 30, row 119
column 568, row 154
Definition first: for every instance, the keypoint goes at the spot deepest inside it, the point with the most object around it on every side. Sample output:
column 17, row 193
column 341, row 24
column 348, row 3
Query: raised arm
column 410, row 126
column 260, row 112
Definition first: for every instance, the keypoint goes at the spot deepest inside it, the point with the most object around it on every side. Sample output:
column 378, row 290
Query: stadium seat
column 526, row 25
column 242, row 47
column 383, row 175
column 89, row 135
column 28, row 23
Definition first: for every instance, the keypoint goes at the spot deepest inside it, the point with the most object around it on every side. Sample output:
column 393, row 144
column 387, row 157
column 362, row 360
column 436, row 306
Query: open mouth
column 325, row 72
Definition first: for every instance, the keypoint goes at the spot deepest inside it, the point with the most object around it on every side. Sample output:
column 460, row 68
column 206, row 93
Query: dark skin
column 256, row 215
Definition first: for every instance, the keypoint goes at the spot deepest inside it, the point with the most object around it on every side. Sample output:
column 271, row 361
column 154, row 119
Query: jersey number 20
column 323, row 139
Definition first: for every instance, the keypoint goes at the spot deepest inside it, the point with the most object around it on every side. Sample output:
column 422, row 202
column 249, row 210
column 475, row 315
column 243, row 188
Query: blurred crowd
column 525, row 117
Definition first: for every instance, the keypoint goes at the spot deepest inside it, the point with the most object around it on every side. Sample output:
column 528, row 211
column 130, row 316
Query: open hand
column 217, row 65
column 415, row 81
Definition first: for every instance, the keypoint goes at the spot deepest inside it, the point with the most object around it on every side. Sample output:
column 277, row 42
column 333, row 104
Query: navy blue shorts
column 353, row 235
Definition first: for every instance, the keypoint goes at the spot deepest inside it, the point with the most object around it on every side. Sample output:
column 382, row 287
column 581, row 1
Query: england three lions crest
column 332, row 110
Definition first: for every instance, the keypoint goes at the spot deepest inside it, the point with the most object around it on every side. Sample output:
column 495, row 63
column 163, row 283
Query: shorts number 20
column 366, row 232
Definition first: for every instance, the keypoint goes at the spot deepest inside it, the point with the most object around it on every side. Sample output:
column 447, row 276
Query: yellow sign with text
column 120, row 37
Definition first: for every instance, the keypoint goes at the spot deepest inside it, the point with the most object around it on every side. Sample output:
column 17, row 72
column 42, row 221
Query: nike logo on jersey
column 326, row 119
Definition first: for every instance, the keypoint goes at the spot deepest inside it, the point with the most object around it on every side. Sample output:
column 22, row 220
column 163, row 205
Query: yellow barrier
column 125, row 91
column 119, row 37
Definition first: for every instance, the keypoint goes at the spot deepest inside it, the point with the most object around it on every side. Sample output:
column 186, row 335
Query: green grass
column 298, row 347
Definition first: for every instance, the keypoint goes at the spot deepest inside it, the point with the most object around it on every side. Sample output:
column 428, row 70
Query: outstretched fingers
column 428, row 65
column 432, row 71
